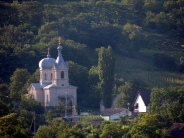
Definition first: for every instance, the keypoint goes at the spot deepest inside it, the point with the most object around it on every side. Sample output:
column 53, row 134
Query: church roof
column 47, row 63
column 60, row 60
column 36, row 85
column 50, row 86
column 111, row 111
column 71, row 86
column 145, row 96
column 54, row 86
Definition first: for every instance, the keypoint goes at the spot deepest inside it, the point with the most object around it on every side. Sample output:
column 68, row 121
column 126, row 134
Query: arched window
column 45, row 76
column 51, row 76
column 62, row 74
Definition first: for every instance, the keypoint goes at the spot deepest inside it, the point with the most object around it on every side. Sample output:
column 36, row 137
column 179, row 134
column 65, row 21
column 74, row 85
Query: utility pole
column 66, row 106
column 34, row 123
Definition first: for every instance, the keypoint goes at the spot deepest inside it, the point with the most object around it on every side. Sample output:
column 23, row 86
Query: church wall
column 39, row 95
column 47, row 97
column 53, row 97
column 58, row 81
column 45, row 76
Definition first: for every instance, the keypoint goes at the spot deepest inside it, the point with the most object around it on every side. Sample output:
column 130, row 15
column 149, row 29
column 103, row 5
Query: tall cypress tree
column 106, row 63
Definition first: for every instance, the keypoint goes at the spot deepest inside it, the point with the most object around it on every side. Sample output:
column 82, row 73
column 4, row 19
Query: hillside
column 147, row 41
column 111, row 47
column 140, row 66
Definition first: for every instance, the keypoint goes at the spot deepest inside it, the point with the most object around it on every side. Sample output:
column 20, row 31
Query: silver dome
column 47, row 63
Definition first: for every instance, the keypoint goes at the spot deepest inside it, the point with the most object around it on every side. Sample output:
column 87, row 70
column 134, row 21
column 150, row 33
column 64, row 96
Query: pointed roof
column 145, row 96
column 36, row 85
column 60, row 60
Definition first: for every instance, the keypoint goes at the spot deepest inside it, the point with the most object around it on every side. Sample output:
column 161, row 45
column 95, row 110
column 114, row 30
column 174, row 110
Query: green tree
column 57, row 128
column 175, row 112
column 132, row 38
column 18, row 80
column 11, row 128
column 113, row 130
column 30, row 104
column 161, row 97
column 25, row 118
column 49, row 115
column 94, row 95
column 148, row 126
column 5, row 101
column 168, row 102
column 106, row 64
column 128, row 93
column 79, row 77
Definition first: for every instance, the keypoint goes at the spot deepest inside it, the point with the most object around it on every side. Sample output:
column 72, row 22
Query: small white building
column 142, row 101
column 54, row 82
column 111, row 114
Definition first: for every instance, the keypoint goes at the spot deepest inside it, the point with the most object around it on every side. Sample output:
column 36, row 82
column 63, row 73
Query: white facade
column 140, row 105
column 115, row 113
column 54, row 82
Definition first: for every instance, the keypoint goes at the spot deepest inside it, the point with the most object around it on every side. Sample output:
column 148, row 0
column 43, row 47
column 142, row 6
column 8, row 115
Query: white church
column 54, row 82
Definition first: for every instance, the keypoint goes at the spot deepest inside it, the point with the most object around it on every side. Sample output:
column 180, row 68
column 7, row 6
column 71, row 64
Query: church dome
column 47, row 63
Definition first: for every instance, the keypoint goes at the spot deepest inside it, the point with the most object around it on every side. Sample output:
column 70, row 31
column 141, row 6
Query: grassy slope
column 141, row 66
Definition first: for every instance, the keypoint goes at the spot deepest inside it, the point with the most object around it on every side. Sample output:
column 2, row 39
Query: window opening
column 62, row 74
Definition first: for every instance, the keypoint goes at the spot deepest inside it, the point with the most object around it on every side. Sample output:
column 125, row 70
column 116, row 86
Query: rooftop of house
column 179, row 126
column 111, row 111
column 145, row 96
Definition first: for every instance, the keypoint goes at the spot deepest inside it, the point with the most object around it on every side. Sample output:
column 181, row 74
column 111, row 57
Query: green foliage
column 57, row 128
column 94, row 95
column 90, row 119
column 114, row 130
column 18, row 79
column 181, row 65
column 49, row 115
column 10, row 127
column 27, row 29
column 5, row 100
column 165, row 62
column 128, row 93
column 25, row 118
column 106, row 65
column 132, row 30
column 132, row 38
column 152, row 5
column 168, row 102
column 78, row 74
column 30, row 104
column 6, row 10
column 29, row 12
column 147, row 126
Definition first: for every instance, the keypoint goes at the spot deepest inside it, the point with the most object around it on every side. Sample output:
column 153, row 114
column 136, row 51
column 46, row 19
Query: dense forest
column 142, row 41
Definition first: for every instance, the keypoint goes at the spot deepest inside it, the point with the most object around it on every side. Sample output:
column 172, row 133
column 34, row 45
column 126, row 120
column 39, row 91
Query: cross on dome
column 48, row 55
column 48, row 50
column 59, row 40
